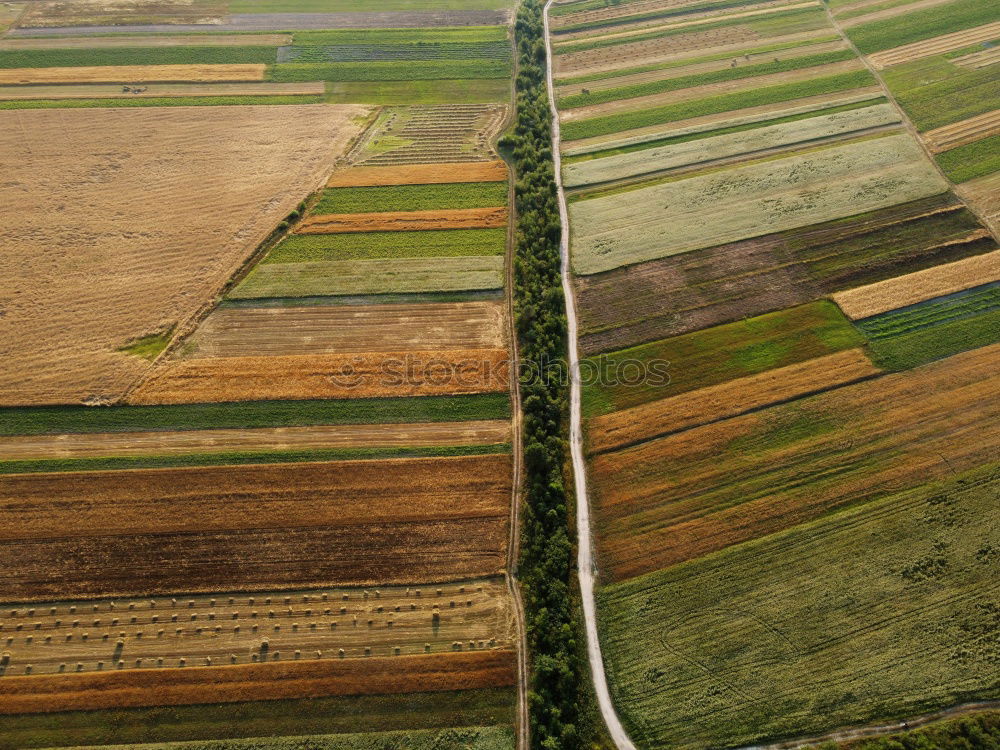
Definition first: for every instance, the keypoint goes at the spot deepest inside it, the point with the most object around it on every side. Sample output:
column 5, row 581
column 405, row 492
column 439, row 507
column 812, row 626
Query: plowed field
column 420, row 174
column 395, row 221
column 134, row 73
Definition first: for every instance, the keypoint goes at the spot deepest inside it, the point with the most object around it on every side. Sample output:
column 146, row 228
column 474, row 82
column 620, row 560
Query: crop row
column 73, row 58
column 923, row 23
column 402, row 70
column 933, row 312
column 349, row 200
column 363, row 245
column 428, row 51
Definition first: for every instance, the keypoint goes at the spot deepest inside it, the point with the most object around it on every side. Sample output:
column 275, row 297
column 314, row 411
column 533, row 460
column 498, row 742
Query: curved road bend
column 585, row 556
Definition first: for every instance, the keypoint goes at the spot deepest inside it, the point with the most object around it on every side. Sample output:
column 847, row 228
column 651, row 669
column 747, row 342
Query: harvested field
column 366, row 277
column 320, row 329
column 961, row 133
column 728, row 282
column 332, row 623
column 918, row 287
column 49, row 13
column 405, row 221
column 936, row 46
column 302, row 679
column 627, row 427
column 112, row 91
column 686, row 495
column 707, row 150
column 161, row 443
column 709, row 90
column 200, row 529
column 317, row 376
column 775, row 195
column 984, row 195
column 118, row 246
column 113, row 42
column 847, row 20
column 765, row 642
column 420, row 174
column 133, row 74
column 978, row 60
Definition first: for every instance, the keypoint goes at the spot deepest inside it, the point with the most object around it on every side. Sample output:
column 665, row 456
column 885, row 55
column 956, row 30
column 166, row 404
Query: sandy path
column 153, row 90
column 134, row 73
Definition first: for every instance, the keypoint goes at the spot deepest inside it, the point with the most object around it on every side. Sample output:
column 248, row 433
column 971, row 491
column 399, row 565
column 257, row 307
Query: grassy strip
column 715, row 105
column 934, row 92
column 350, row 200
column 407, row 70
column 923, row 24
column 72, row 58
column 670, row 141
column 55, row 420
column 971, row 160
column 604, row 75
column 160, row 101
column 978, row 731
column 239, row 458
column 715, row 355
column 363, row 37
column 699, row 79
column 411, row 92
column 299, row 248
column 485, row 707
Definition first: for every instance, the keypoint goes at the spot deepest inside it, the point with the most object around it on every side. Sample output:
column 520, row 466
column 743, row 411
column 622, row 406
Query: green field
column 354, row 6
column 411, row 711
column 458, row 91
column 979, row 731
column 923, row 23
column 664, row 14
column 163, row 101
column 72, row 58
column 57, row 420
column 408, row 70
column 683, row 82
column 715, row 105
column 914, row 335
column 362, row 37
column 298, row 248
column 971, row 160
column 936, row 92
column 880, row 611
column 716, row 355
column 350, row 200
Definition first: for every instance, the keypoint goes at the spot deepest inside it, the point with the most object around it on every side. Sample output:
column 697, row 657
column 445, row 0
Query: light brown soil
column 272, row 681
column 631, row 426
column 335, row 329
column 983, row 194
column 134, row 73
column 159, row 443
column 920, row 286
column 935, row 46
column 185, row 40
column 707, row 90
column 114, row 91
column 899, row 10
column 420, row 174
column 51, row 13
column 691, row 493
column 405, row 221
column 966, row 131
column 119, row 223
column 310, row 376
column 220, row 629
column 145, row 531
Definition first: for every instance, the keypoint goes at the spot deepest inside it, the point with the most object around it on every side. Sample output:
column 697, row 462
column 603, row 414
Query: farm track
column 927, row 47
column 961, row 133
column 586, row 567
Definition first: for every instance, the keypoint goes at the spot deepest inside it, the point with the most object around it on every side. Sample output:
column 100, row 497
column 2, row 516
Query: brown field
column 625, row 307
column 335, row 329
column 134, row 73
column 420, row 174
column 145, row 531
column 310, row 376
column 966, row 131
column 113, row 91
column 49, row 13
column 184, row 40
column 707, row 90
column 318, row 437
column 920, row 286
column 978, row 60
column 254, row 682
column 95, row 238
column 405, row 221
column 936, row 46
column 336, row 622
column 983, row 194
column 706, row 405
column 899, row 10
column 688, row 494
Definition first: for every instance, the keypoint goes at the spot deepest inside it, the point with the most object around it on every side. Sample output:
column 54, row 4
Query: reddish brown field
column 272, row 681
column 396, row 221
column 639, row 423
column 135, row 74
column 685, row 495
column 205, row 528
column 420, row 174
column 308, row 376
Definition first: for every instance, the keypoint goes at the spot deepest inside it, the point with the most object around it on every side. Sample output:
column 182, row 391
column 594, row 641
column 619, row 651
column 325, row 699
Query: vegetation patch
column 936, row 92
column 348, row 200
column 972, row 160
column 414, row 36
column 968, row 731
column 299, row 248
column 148, row 347
column 408, row 70
column 321, row 53
column 165, row 101
column 207, row 55
column 416, row 92
column 922, row 23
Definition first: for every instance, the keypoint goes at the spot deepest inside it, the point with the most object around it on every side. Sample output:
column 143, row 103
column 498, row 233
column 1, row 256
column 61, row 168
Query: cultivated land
column 106, row 230
column 133, row 74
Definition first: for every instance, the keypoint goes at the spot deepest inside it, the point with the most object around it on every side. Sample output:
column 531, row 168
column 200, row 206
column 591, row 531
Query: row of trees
column 546, row 565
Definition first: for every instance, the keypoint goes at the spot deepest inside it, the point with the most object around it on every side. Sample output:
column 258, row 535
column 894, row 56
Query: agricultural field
column 782, row 233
